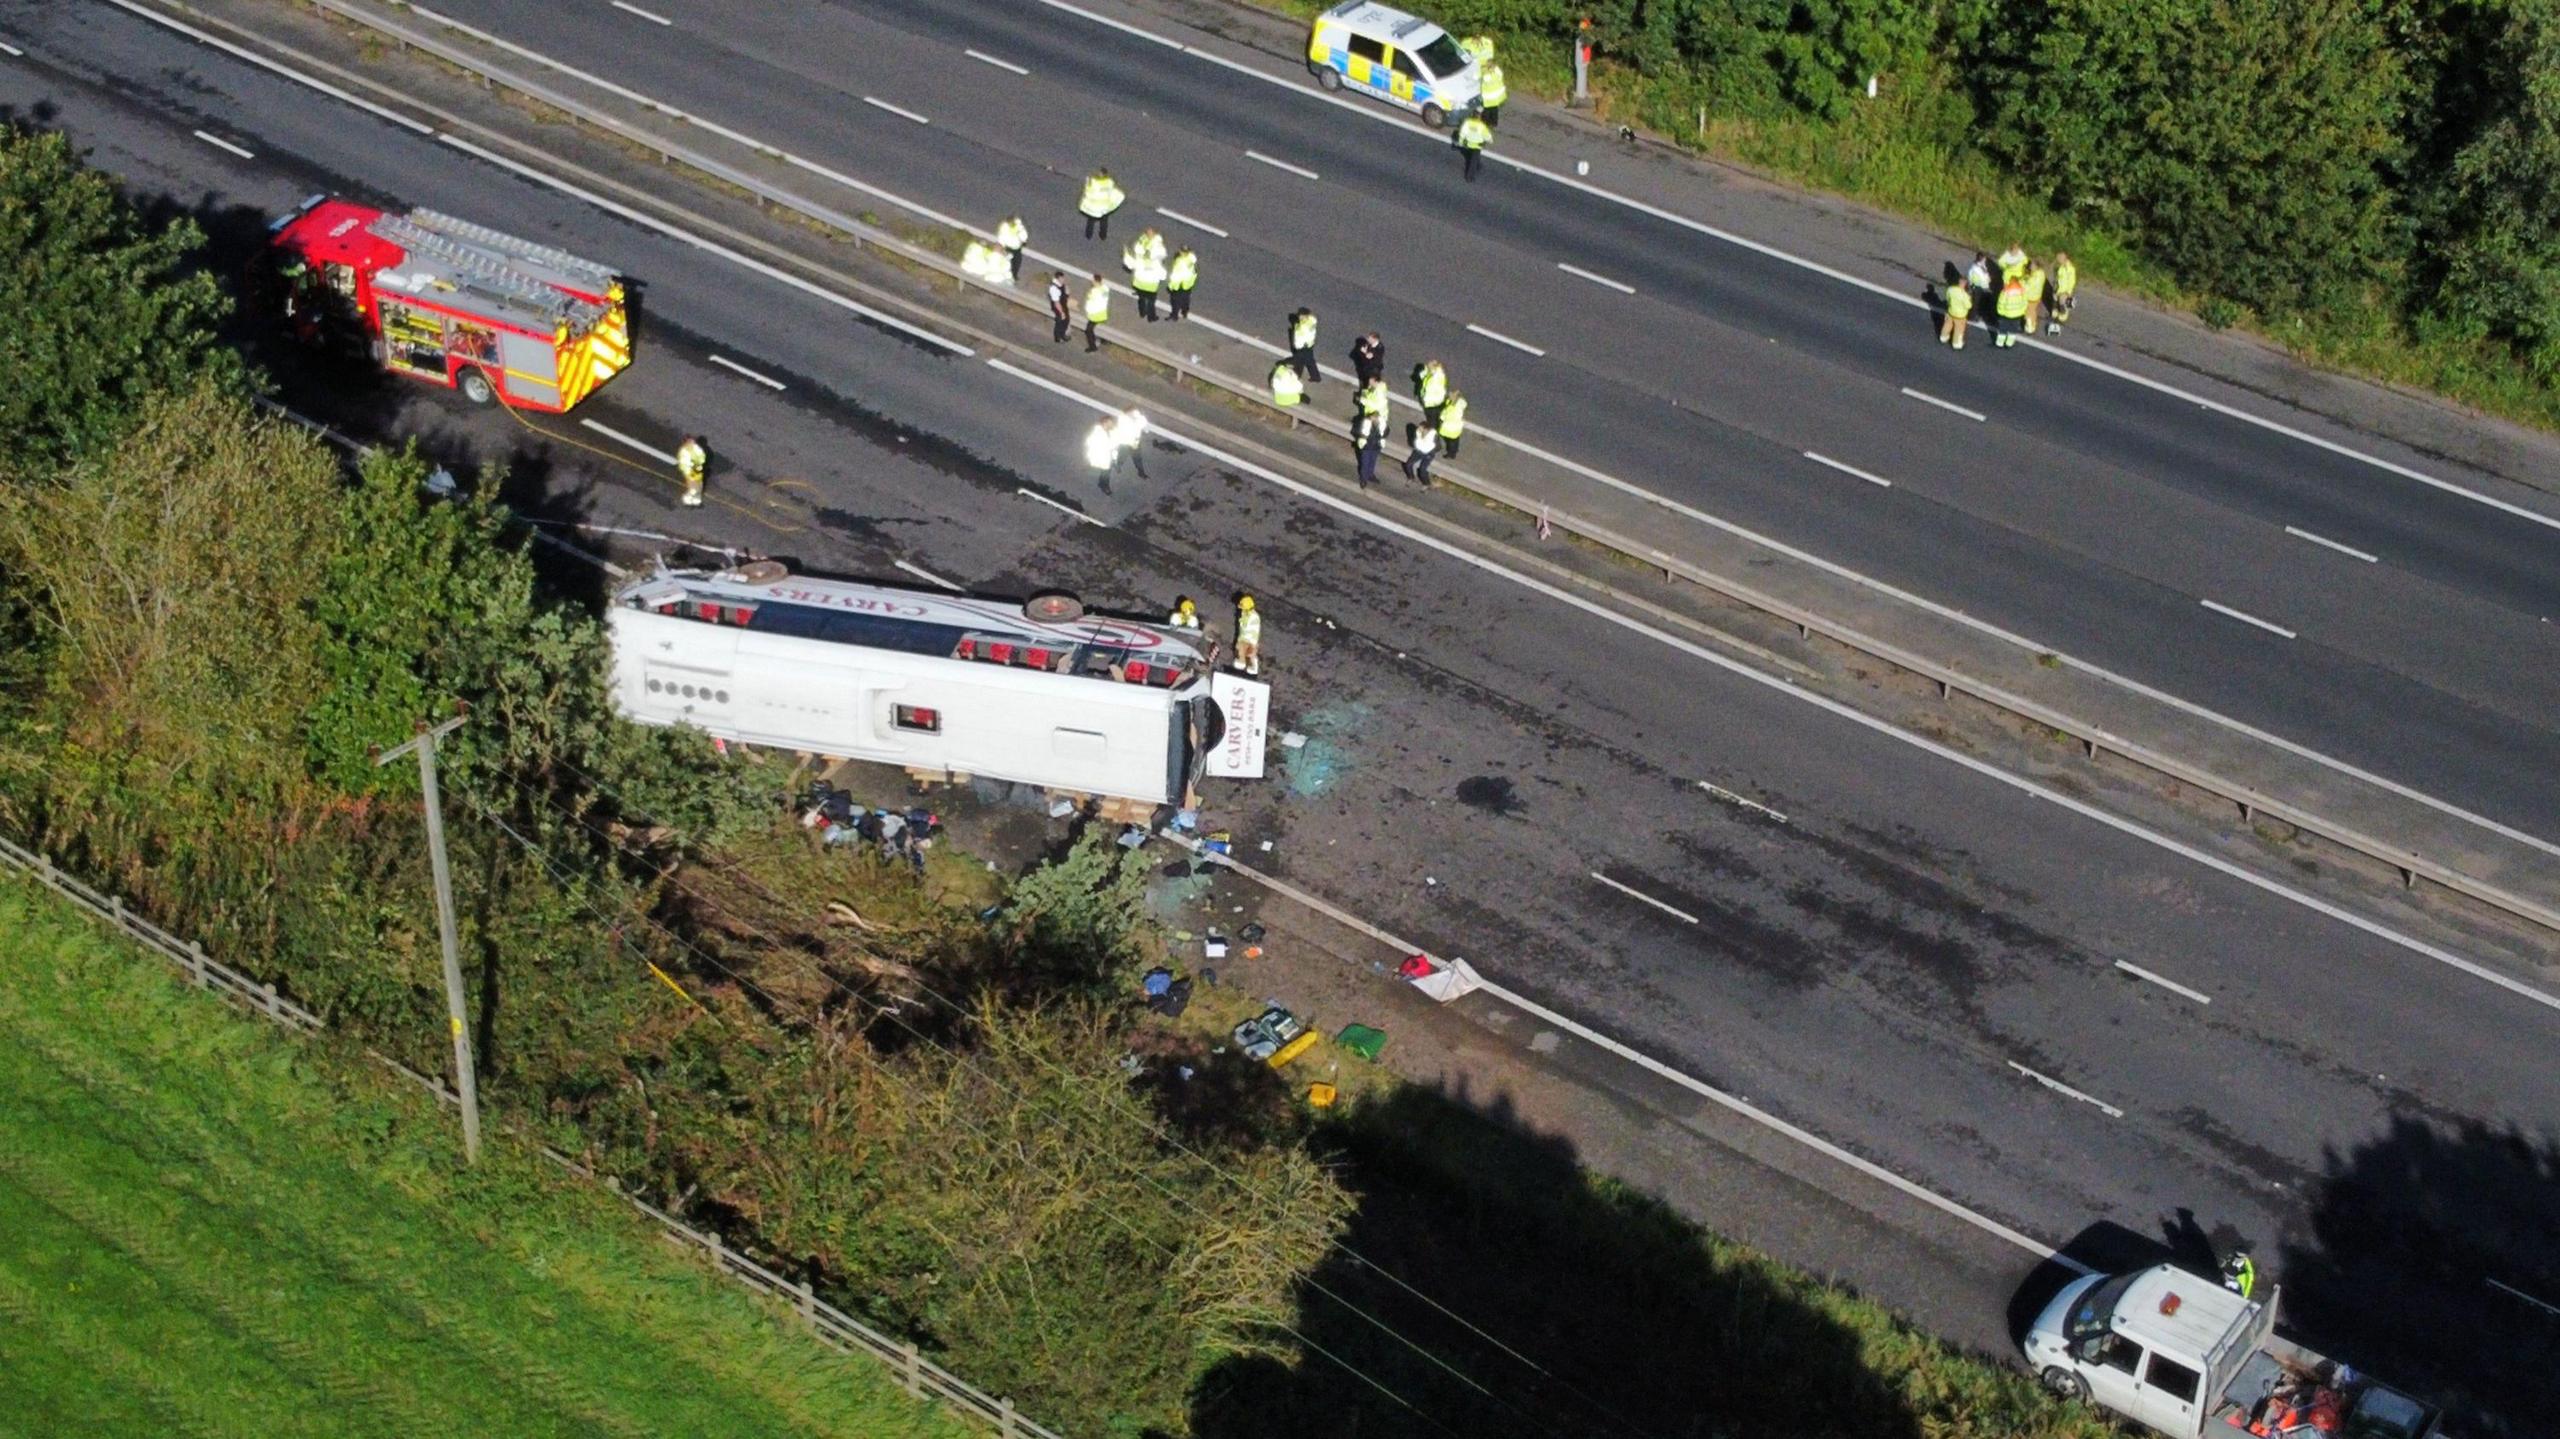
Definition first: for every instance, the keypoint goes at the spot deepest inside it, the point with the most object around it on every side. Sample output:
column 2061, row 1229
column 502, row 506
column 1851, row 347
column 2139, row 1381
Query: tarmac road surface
column 1899, row 964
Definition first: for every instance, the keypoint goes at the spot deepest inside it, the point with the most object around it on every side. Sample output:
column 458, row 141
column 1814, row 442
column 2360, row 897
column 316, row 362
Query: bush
column 97, row 310
column 2244, row 143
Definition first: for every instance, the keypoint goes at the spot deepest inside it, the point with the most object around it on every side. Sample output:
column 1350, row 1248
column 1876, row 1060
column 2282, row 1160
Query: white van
column 2181, row 1355
column 1402, row 59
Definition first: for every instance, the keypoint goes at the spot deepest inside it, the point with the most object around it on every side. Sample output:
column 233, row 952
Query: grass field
column 210, row 1228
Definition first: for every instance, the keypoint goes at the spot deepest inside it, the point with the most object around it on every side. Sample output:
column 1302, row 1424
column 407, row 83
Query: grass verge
column 213, row 1228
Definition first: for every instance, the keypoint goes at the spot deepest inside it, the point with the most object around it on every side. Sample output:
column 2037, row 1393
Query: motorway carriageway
column 1896, row 964
column 2128, row 527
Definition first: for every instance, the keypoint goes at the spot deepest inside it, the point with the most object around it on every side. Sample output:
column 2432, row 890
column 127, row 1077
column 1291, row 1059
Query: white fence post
column 1004, row 1417
column 911, row 1369
column 808, row 1304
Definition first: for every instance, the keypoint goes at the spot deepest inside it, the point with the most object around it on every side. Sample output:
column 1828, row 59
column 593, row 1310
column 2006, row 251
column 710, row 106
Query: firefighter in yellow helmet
column 1185, row 616
column 693, row 461
column 1248, row 636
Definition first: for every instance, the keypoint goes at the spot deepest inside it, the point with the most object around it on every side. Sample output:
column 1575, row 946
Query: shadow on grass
column 2433, row 1251
column 1637, row 1325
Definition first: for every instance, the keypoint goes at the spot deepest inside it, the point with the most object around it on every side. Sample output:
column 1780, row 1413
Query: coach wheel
column 476, row 388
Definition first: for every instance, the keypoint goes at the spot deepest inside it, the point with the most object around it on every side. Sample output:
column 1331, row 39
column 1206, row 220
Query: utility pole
column 465, row 1081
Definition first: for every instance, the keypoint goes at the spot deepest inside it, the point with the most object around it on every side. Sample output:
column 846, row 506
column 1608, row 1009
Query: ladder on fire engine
column 480, row 269
column 599, row 276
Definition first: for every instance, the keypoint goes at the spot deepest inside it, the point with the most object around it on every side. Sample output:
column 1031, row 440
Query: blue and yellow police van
column 1402, row 59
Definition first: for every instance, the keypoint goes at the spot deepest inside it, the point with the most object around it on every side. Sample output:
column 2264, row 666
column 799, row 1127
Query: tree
column 2244, row 143
column 173, row 575
column 2491, row 219
column 97, row 311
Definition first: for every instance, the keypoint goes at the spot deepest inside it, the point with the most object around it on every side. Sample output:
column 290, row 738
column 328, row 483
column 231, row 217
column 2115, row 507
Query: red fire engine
column 452, row 302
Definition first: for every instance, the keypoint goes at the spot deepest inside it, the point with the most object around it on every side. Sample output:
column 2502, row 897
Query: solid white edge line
column 263, row 63
column 2138, row 972
column 1500, row 338
column 219, row 143
column 651, row 17
column 2553, row 1309
column 2326, row 542
column 1633, row 893
column 2246, row 618
column 1796, row 1132
column 12, row 51
column 1928, row 399
column 1888, row 292
column 1372, row 112
column 928, row 576
column 1732, row 1103
column 748, row 262
column 1848, row 469
column 1619, row 286
column 1177, row 215
column 1120, row 25
column 2058, row 1087
column 1843, row 710
column 901, row 111
column 1299, row 170
column 729, row 364
column 1059, row 505
column 1729, row 797
column 573, row 72
column 643, row 446
column 986, row 58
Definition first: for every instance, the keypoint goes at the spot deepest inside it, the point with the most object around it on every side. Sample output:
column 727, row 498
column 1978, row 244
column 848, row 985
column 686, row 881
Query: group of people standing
column 2027, row 299
column 1160, row 275
column 1444, row 411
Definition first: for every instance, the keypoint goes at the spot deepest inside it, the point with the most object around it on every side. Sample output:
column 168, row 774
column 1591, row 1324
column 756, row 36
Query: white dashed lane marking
column 2171, row 985
column 926, row 575
column 219, row 143
column 900, row 111
column 1194, row 224
column 1300, row 171
column 643, row 446
column 991, row 60
column 1499, row 338
column 2327, row 543
column 1848, row 469
column 1623, row 289
column 2244, row 617
column 2058, row 1087
column 1948, row 405
column 729, row 364
column 1682, row 915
